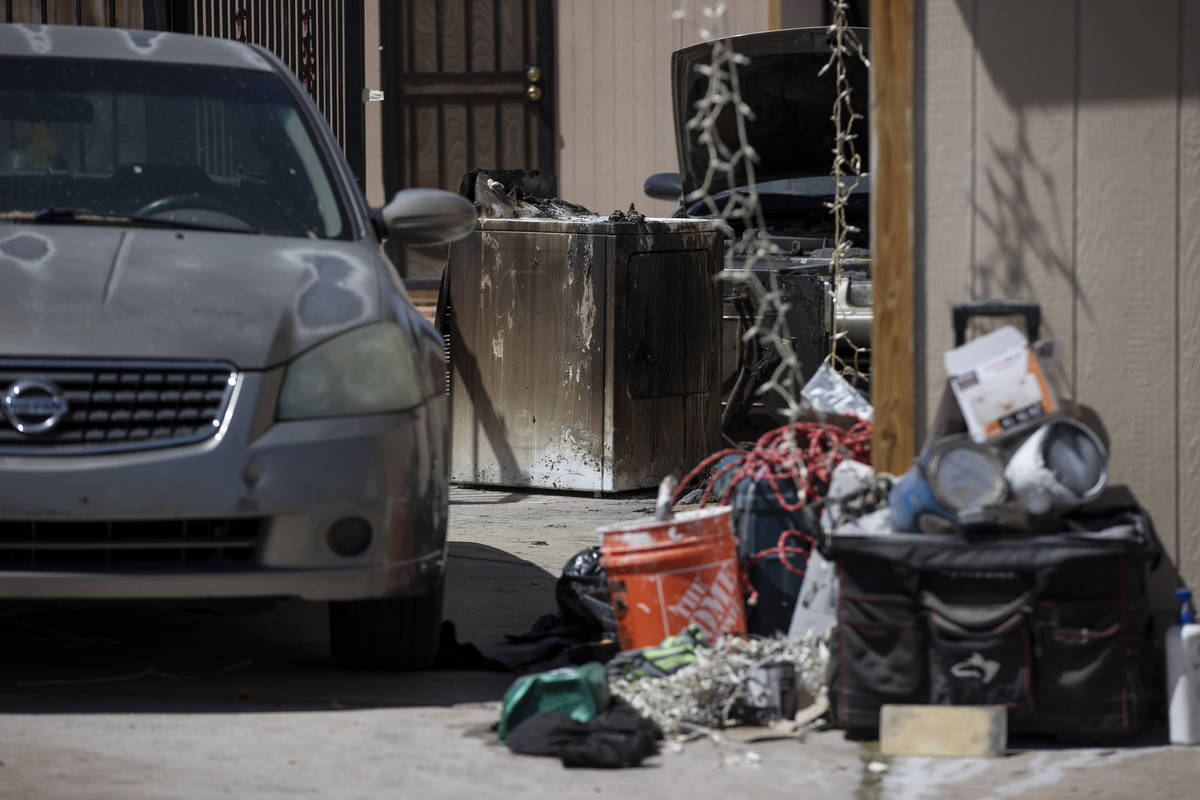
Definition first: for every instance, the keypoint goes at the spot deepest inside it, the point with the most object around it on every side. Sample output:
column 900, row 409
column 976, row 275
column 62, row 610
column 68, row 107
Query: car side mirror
column 428, row 216
column 663, row 186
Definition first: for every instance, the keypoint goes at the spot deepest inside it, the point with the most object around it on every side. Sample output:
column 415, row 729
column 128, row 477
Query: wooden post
column 892, row 234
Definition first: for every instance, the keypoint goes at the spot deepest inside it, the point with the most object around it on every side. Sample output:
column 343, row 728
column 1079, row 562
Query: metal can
column 1061, row 465
column 956, row 473
column 963, row 473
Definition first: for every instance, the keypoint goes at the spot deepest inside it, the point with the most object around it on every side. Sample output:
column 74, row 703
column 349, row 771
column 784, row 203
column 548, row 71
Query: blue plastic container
column 759, row 521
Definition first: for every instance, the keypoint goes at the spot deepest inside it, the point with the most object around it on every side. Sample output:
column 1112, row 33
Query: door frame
column 394, row 107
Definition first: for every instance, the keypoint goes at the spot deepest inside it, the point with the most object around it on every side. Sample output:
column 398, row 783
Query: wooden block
column 943, row 730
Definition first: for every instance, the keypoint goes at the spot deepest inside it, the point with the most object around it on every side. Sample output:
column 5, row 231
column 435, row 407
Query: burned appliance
column 794, row 139
column 584, row 351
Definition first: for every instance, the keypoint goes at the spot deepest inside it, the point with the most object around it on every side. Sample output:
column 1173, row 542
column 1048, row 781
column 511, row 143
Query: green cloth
column 579, row 692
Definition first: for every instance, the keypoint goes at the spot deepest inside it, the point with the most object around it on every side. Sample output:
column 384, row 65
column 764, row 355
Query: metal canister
column 769, row 693
column 1062, row 464
column 956, row 473
column 963, row 473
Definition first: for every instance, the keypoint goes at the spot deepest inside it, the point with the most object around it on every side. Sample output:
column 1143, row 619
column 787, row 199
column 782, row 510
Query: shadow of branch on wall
column 1025, row 241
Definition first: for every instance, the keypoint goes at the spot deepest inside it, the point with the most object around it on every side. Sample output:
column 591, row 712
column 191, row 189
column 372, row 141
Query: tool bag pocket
column 981, row 655
column 879, row 656
column 884, row 644
column 1082, row 664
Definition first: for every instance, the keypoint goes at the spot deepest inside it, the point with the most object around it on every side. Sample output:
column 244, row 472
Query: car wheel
column 386, row 633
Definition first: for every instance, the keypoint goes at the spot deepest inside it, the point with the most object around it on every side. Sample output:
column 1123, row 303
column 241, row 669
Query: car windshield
column 198, row 145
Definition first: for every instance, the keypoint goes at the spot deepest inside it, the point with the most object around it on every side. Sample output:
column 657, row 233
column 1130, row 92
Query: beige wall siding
column 372, row 112
column 614, row 98
column 1126, row 350
column 1187, row 478
column 943, row 177
column 1022, row 168
column 1057, row 161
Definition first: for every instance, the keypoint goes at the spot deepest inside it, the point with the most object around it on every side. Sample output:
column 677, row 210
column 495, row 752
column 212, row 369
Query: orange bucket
column 663, row 576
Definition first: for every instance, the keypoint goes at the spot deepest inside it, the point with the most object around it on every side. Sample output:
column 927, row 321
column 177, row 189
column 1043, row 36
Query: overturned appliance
column 793, row 137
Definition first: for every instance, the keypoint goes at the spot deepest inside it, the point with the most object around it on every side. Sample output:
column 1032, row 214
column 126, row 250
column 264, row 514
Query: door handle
column 533, row 74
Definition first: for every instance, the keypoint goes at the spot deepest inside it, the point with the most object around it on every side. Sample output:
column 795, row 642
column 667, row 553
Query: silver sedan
column 212, row 382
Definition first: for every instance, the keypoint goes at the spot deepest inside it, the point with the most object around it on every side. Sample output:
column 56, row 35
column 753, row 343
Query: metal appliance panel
column 583, row 353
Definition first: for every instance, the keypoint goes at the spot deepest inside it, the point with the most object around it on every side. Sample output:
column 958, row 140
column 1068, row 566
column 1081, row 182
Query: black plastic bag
column 582, row 593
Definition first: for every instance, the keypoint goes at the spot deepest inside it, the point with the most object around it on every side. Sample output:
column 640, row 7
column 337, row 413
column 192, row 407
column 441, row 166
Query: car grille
column 133, row 546
column 120, row 405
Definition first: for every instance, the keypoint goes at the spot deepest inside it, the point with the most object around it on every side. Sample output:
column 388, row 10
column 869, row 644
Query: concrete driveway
column 174, row 702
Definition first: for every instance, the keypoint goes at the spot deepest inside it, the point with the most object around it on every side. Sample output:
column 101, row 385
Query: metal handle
column 975, row 618
column 533, row 74
column 963, row 312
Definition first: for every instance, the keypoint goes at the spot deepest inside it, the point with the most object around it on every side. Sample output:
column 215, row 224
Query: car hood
column 92, row 291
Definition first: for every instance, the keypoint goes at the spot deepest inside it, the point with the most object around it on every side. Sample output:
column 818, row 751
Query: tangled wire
column 799, row 457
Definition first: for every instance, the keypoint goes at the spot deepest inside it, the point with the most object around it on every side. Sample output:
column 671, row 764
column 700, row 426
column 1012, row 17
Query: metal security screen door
column 321, row 40
column 467, row 84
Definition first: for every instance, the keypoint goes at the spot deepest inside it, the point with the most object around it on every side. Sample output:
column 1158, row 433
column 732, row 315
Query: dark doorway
column 467, row 84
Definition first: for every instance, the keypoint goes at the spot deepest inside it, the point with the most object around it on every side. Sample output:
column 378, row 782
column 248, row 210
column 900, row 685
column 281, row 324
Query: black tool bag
column 1056, row 628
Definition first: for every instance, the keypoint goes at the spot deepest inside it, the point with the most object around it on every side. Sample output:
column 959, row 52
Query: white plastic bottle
column 1183, row 674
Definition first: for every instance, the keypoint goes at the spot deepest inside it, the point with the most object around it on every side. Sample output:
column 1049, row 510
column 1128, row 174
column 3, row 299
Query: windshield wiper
column 83, row 216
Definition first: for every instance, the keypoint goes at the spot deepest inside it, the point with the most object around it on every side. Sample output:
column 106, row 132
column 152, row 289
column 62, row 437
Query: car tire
column 399, row 633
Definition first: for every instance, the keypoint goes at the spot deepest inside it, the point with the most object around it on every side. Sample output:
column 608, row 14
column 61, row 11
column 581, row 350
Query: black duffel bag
column 1055, row 628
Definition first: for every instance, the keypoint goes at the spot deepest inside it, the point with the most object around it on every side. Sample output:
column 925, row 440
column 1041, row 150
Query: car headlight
column 366, row 371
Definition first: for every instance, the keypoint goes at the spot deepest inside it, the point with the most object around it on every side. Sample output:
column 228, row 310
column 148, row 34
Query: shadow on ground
column 492, row 593
column 88, row 657
column 490, row 499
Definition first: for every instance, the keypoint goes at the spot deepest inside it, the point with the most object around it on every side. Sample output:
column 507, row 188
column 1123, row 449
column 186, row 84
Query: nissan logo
column 34, row 406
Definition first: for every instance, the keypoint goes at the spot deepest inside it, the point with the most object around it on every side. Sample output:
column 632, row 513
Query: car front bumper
column 287, row 482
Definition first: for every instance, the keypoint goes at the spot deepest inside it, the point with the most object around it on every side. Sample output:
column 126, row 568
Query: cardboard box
column 998, row 383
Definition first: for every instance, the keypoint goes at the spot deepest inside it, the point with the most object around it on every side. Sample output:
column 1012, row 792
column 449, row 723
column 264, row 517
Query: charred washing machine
column 584, row 351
